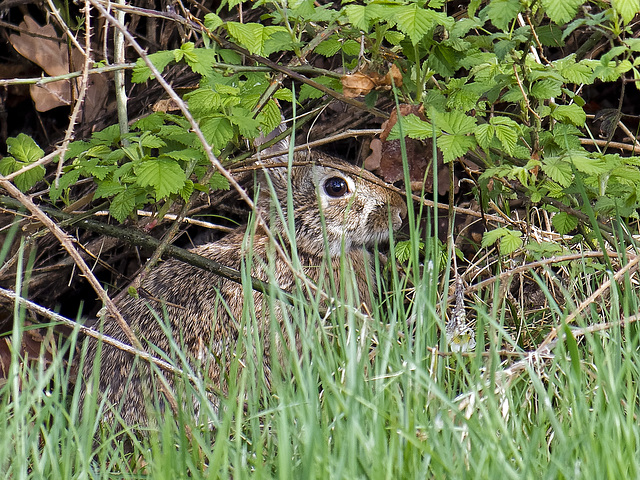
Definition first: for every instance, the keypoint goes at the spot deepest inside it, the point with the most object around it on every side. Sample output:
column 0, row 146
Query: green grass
column 366, row 399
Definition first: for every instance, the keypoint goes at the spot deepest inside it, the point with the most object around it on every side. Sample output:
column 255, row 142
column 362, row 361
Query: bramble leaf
column 562, row 11
column 164, row 175
column 564, row 223
column 123, row 204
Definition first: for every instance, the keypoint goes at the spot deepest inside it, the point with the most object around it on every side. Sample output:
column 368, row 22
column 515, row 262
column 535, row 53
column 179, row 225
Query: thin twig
column 55, row 317
column 67, row 243
column 42, row 80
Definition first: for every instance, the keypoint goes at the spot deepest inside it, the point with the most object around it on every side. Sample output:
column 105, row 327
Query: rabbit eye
column 336, row 187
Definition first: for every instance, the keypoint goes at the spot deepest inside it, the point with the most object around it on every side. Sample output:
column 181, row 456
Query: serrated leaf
column 142, row 73
column 627, row 9
column 284, row 94
column 508, row 136
column 123, row 204
column 484, row 134
column 152, row 141
column 185, row 155
column 108, row 188
column 252, row 36
column 564, row 223
column 455, row 146
column 357, row 15
column 218, row 182
column 150, row 123
column 587, row 164
column 412, row 127
column 24, row 149
column 247, row 126
column 502, row 12
column 218, row 131
column 351, row 48
column 270, row 117
column 414, row 21
column 201, row 61
column 393, row 37
column 561, row 11
column 186, row 190
column 163, row 175
column 558, row 170
column 329, row 47
column 491, row 236
column 212, row 21
column 510, row 242
column 454, row 122
column 98, row 171
column 570, row 113
column 64, row 182
column 546, row 89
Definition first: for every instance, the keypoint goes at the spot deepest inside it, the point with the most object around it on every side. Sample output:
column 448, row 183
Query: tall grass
column 367, row 397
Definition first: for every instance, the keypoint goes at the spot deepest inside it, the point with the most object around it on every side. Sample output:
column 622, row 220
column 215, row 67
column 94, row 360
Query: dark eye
column 336, row 187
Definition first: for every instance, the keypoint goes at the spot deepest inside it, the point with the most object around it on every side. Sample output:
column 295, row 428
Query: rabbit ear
column 279, row 146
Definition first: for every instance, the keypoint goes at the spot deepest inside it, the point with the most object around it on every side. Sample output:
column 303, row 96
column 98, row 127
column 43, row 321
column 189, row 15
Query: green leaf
column 357, row 15
column 570, row 113
column 201, row 61
column 484, row 134
column 252, row 35
column 142, row 73
column 270, row 117
column 455, row 146
column 65, row 181
column 351, row 48
column 453, row 122
column 412, row 127
column 186, row 190
column 492, row 236
column 587, row 164
column 627, row 9
column 564, row 223
column 108, row 188
column 510, row 240
column 414, row 21
column 185, row 155
column 164, row 175
column 561, row 11
column 546, row 89
column 123, row 204
column 218, row 182
column 506, row 130
column 559, row 170
column 152, row 141
column 247, row 126
column 212, row 21
column 502, row 12
column 218, row 131
column 329, row 47
column 24, row 149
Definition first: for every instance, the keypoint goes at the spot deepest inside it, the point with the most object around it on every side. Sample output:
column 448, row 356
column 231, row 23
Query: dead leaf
column 387, row 162
column 53, row 57
column 362, row 82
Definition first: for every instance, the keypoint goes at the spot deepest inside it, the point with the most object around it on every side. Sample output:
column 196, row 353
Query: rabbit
column 357, row 213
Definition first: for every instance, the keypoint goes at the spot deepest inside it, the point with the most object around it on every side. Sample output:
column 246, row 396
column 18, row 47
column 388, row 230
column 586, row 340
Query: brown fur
column 195, row 299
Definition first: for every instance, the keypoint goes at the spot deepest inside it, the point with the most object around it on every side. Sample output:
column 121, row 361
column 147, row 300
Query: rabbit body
column 356, row 215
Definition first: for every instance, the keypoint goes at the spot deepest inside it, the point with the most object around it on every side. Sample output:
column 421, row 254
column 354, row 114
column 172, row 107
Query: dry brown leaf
column 388, row 162
column 361, row 83
column 52, row 56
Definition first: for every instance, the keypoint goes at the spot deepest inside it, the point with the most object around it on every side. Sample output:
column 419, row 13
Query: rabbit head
column 332, row 199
